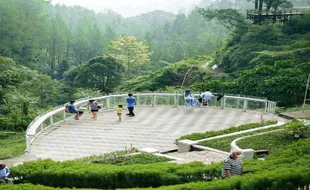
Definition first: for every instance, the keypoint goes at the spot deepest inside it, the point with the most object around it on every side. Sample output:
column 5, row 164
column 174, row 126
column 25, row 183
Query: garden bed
column 223, row 144
column 207, row 134
column 274, row 141
column 124, row 157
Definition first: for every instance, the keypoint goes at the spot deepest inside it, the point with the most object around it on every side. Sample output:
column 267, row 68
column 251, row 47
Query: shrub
column 297, row 129
column 84, row 175
column 29, row 186
column 12, row 144
column 140, row 158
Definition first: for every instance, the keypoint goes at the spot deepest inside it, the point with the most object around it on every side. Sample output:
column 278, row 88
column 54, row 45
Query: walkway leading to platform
column 155, row 127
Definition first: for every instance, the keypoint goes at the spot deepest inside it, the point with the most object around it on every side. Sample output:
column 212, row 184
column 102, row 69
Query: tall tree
column 96, row 42
column 103, row 73
column 130, row 52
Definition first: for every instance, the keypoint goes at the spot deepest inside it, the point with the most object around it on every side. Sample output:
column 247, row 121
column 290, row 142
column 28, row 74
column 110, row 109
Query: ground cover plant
column 272, row 141
column 12, row 144
column 125, row 157
column 207, row 134
column 224, row 143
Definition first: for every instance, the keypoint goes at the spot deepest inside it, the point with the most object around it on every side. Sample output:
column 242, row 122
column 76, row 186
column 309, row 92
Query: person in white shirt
column 206, row 97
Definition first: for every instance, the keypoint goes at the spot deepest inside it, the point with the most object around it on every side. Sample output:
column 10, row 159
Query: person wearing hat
column 233, row 164
column 4, row 172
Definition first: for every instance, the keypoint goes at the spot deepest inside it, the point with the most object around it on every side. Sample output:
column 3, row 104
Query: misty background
column 129, row 8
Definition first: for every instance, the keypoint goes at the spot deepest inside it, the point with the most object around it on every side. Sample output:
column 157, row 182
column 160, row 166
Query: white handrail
column 36, row 126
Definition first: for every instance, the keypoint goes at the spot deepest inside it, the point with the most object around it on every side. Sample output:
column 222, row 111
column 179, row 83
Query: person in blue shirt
column 131, row 102
column 72, row 109
column 4, row 173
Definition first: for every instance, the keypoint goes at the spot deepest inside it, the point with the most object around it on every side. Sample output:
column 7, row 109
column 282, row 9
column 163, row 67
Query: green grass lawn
column 207, row 134
column 12, row 144
column 224, row 143
column 271, row 141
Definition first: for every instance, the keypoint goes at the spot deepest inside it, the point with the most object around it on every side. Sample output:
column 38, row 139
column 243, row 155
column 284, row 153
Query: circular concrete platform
column 156, row 127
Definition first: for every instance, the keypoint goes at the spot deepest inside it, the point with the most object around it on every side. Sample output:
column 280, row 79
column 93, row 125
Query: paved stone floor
column 152, row 127
column 207, row 157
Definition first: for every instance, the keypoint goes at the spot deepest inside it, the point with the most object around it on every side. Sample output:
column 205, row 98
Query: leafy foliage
column 29, row 186
column 12, row 144
column 297, row 129
column 130, row 52
column 103, row 73
column 267, row 60
column 144, row 158
column 68, row 174
column 230, row 18
column 171, row 75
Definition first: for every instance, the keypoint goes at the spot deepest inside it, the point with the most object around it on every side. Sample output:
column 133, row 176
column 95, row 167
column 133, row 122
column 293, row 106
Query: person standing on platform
column 130, row 102
column 119, row 111
column 94, row 108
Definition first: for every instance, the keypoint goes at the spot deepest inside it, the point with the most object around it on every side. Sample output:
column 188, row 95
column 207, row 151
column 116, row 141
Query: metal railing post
column 108, row 102
column 153, row 100
column 51, row 120
column 223, row 103
column 41, row 127
column 245, row 105
column 176, row 100
column 266, row 104
column 114, row 105
column 64, row 115
column 28, row 143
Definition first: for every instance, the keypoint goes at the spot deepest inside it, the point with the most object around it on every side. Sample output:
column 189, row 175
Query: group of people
column 190, row 100
column 94, row 108
column 204, row 98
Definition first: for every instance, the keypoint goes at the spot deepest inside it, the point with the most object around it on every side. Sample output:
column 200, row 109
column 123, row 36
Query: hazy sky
column 132, row 7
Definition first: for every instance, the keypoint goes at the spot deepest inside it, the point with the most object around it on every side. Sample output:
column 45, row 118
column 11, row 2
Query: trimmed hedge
column 207, row 134
column 83, row 175
column 281, row 179
column 29, row 186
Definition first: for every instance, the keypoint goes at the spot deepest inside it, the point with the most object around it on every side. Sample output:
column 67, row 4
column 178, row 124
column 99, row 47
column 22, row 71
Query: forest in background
column 52, row 54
